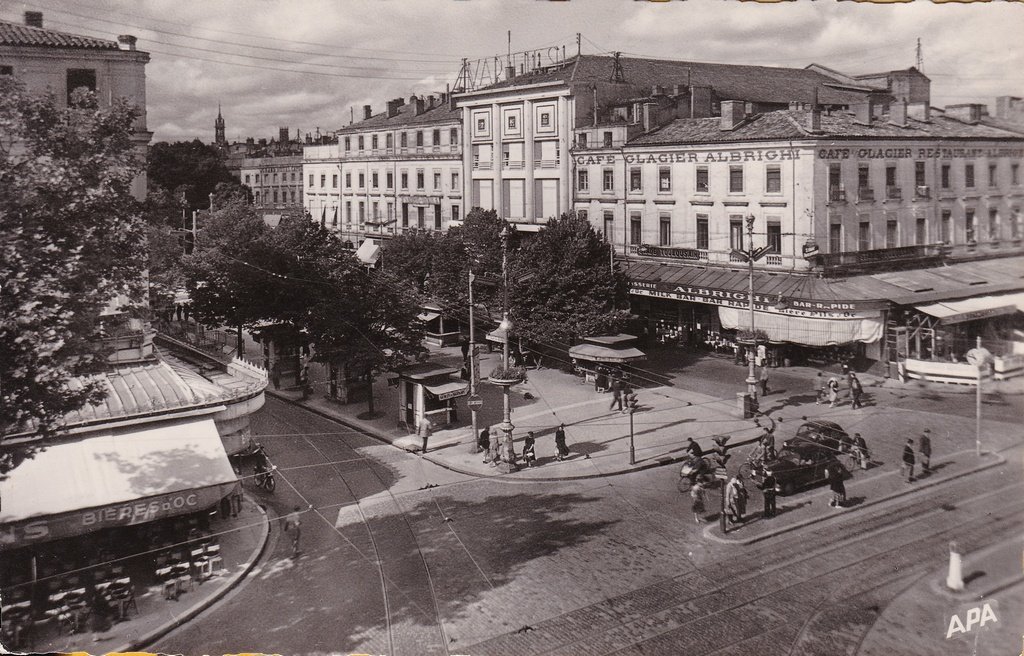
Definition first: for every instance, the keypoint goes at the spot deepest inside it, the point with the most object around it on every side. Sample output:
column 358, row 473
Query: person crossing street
column 908, row 460
column 768, row 484
column 293, row 525
column 924, row 447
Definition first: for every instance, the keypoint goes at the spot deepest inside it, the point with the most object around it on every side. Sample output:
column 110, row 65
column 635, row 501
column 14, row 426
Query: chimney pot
column 863, row 112
column 733, row 113
column 430, row 101
column 968, row 112
column 898, row 113
column 510, row 72
column 34, row 18
column 367, row 111
column 128, row 41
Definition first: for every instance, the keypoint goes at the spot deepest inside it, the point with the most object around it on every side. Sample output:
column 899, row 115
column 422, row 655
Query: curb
column 192, row 612
column 372, row 433
column 867, row 504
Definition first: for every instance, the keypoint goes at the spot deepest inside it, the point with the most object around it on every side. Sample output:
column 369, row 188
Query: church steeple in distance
column 218, row 126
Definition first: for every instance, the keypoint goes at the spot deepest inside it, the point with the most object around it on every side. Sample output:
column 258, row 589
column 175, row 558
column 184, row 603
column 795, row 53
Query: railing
column 736, row 257
column 482, row 166
column 513, row 164
column 881, row 258
column 892, row 192
column 773, row 260
column 546, row 163
column 922, row 191
column 837, row 195
column 866, row 194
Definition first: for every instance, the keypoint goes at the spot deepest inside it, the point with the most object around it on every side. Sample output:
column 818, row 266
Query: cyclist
column 693, row 449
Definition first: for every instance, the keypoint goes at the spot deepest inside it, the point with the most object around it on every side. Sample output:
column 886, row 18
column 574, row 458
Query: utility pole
column 751, row 255
column 979, row 357
column 506, row 417
column 473, row 368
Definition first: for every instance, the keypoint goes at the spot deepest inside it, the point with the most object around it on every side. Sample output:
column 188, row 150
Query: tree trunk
column 369, row 392
column 240, row 349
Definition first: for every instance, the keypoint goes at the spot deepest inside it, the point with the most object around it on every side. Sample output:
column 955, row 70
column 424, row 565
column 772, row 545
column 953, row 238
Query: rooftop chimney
column 430, row 101
column 34, row 18
column 367, row 111
column 814, row 115
column 967, row 112
column 393, row 106
column 733, row 113
column 127, row 41
column 862, row 112
column 412, row 99
column 658, row 90
column 898, row 113
column 417, row 106
column 282, row 135
column 510, row 72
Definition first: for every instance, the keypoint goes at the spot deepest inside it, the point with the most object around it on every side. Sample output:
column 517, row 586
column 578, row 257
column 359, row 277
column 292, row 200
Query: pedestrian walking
column 924, row 447
column 529, row 450
column 560, row 446
column 693, row 449
column 483, row 441
column 304, row 381
column 763, row 380
column 275, row 374
column 834, row 476
column 186, row 310
column 833, row 392
column 860, row 451
column 768, row 444
column 616, row 394
column 855, row 392
column 293, row 525
column 768, row 485
column 425, row 430
column 908, row 460
column 601, row 379
column 697, row 500
column 735, row 500
column 177, row 309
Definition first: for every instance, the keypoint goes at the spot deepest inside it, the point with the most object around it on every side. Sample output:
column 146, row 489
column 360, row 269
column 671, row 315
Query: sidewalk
column 877, row 485
column 598, row 438
column 919, row 619
column 242, row 541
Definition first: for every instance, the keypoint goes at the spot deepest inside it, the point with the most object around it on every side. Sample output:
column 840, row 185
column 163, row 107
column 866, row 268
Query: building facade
column 50, row 61
column 275, row 183
column 391, row 172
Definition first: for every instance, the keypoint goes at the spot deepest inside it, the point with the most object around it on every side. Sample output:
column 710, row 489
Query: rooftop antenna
column 617, row 74
column 508, row 59
column 579, row 44
column 920, row 57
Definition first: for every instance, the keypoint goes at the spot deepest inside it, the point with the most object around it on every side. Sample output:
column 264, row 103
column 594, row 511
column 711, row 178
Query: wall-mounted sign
column 764, row 302
column 674, row 253
column 694, row 156
column 874, row 152
column 810, row 249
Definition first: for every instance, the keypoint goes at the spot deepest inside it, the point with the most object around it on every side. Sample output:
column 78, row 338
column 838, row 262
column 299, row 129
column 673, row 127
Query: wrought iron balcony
column 866, row 194
column 837, row 195
column 881, row 259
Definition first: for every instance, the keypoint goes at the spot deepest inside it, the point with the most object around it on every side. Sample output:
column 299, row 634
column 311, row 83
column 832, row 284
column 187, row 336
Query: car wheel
column 788, row 488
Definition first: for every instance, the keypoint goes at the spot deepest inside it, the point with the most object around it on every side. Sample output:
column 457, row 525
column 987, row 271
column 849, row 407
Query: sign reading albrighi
column 764, row 303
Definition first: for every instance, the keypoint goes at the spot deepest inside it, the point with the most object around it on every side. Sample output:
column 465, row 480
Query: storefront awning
column 427, row 317
column 804, row 330
column 368, row 252
column 595, row 353
column 122, row 477
column 971, row 309
column 449, row 390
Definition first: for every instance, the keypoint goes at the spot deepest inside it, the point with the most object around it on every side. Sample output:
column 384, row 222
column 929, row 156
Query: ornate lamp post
column 507, row 380
column 751, row 255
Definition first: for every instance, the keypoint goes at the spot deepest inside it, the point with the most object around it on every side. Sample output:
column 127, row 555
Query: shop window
column 835, row 238
column 664, row 179
column 864, row 236
column 945, row 222
column 703, row 232
column 609, row 225
column 635, row 229
column 665, row 229
column 944, row 176
column 969, row 176
column 702, row 185
column 735, row 179
column 970, row 229
column 773, row 179
column 920, row 231
column 635, row 182
column 774, row 237
column 736, row 232
column 583, row 180
column 608, row 180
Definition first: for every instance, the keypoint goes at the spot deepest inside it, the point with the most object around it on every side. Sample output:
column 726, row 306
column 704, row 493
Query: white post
column 977, row 406
column 955, row 578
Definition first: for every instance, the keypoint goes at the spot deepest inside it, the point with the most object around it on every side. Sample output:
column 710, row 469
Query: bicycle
column 694, row 468
column 754, row 463
column 263, row 477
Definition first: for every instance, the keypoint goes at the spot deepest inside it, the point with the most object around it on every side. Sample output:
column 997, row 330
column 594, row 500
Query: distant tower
column 218, row 127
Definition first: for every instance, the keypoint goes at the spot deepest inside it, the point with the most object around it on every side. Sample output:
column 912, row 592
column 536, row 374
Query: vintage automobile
column 798, row 466
column 827, row 434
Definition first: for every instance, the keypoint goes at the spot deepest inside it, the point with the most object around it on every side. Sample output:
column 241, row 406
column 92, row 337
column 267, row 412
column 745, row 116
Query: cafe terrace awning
column 113, row 478
column 595, row 353
column 368, row 252
column 803, row 330
column 448, row 390
column 971, row 309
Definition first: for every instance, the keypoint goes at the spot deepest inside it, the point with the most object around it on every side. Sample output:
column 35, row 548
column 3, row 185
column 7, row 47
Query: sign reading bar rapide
column 765, row 303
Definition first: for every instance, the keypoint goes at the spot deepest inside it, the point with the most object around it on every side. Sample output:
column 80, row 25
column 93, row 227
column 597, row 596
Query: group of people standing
column 829, row 390
column 529, row 453
column 924, row 450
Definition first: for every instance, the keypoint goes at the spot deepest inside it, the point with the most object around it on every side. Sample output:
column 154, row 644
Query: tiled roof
column 763, row 84
column 16, row 34
column 792, row 124
column 406, row 116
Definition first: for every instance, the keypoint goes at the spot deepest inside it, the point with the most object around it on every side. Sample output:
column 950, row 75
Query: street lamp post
column 751, row 379
column 506, row 416
column 472, row 366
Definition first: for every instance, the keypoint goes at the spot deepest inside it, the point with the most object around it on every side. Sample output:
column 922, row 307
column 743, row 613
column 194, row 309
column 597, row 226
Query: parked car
column 827, row 434
column 798, row 466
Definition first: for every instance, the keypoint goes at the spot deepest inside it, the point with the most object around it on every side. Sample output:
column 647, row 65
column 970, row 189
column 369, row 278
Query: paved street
column 606, row 565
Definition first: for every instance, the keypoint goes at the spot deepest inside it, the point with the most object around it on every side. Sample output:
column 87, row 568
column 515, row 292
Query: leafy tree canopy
column 188, row 168
column 71, row 235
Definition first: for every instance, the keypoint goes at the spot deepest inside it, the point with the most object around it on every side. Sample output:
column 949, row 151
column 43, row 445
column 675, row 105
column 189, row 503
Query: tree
column 188, row 168
column 565, row 289
column 70, row 238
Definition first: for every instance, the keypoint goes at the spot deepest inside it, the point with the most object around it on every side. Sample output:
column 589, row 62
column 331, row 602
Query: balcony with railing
column 893, row 192
column 546, row 163
column 513, row 164
column 482, row 165
column 837, row 195
column 865, row 195
column 703, row 256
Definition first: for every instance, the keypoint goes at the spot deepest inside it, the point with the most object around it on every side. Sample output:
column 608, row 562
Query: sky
column 304, row 64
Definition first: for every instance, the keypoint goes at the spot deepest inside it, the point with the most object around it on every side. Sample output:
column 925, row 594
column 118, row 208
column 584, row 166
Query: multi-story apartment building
column 394, row 171
column 276, row 184
column 58, row 62
column 522, row 130
column 837, row 199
